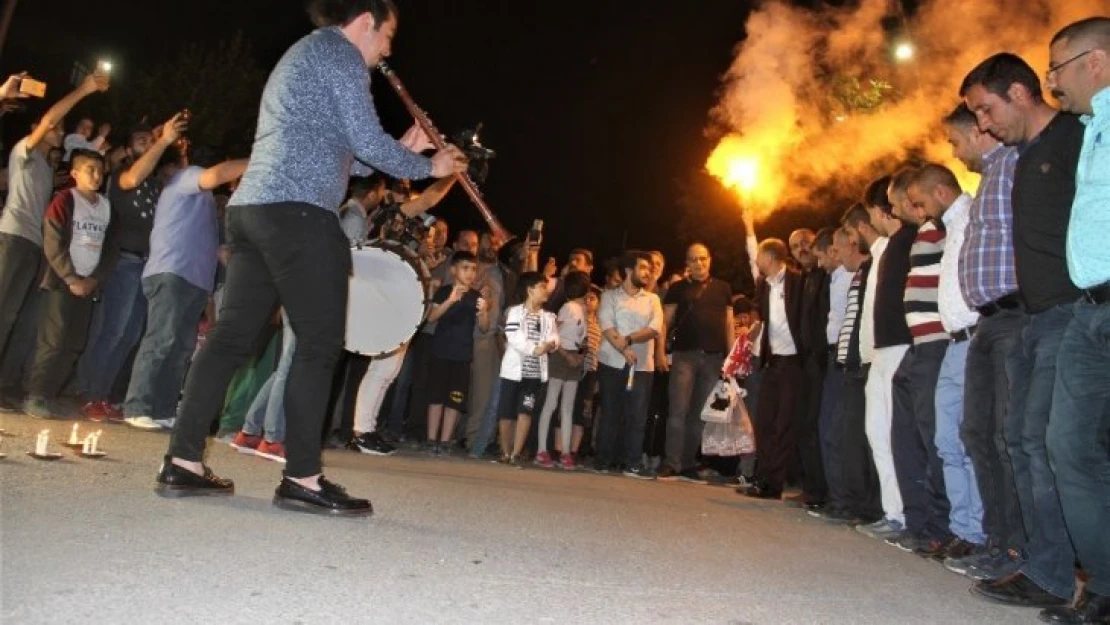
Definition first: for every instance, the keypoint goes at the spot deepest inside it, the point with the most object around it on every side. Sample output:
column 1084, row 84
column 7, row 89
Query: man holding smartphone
column 317, row 126
column 30, row 183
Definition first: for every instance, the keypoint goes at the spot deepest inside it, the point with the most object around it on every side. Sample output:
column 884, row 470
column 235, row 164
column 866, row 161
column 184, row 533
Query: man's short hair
column 1094, row 30
column 999, row 72
column 931, row 175
column 775, row 248
column 875, row 195
column 824, row 239
column 141, row 128
column 360, row 187
column 962, row 117
column 855, row 216
column 583, row 252
column 342, row 12
column 463, row 257
column 628, row 261
column 901, row 179
column 79, row 156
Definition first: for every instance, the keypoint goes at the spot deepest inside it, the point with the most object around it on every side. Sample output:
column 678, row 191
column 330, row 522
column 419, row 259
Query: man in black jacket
column 780, row 305
column 815, row 352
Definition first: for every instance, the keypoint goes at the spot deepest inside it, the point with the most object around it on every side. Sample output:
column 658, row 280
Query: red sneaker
column 94, row 411
column 245, row 443
column 271, row 451
column 544, row 460
column 111, row 413
column 567, row 462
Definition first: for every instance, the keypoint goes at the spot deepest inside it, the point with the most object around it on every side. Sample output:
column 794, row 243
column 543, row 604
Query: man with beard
column 631, row 321
column 485, row 366
column 1079, row 77
column 815, row 354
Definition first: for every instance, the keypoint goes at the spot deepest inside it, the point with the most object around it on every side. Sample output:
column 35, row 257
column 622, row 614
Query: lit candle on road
column 87, row 444
column 73, row 440
column 41, row 441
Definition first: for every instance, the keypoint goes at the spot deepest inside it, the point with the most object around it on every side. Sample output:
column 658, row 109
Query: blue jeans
column 116, row 327
column 267, row 412
column 1050, row 559
column 965, row 518
column 174, row 308
column 1079, row 439
column 693, row 376
column 986, row 404
column 623, row 415
column 489, row 421
column 830, row 427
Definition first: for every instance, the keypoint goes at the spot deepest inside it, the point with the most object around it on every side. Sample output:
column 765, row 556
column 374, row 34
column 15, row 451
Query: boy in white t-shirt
column 78, row 241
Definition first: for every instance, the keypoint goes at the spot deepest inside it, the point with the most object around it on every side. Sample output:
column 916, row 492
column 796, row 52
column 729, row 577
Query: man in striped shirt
column 913, row 427
column 852, row 482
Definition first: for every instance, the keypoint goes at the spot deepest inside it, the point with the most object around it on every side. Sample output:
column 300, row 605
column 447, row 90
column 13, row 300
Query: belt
column 963, row 335
column 1098, row 295
column 776, row 358
column 1008, row 302
column 135, row 255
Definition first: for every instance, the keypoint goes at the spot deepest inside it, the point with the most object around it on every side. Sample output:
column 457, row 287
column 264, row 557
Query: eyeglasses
column 1055, row 68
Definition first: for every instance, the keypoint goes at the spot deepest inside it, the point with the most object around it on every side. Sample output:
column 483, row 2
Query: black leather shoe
column 175, row 481
column 1017, row 590
column 332, row 499
column 759, row 492
column 1091, row 608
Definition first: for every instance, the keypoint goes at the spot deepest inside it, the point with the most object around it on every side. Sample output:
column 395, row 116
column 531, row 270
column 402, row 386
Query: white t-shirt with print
column 90, row 226
column 572, row 326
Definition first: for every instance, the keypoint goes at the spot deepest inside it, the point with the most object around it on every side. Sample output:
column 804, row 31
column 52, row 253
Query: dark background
column 597, row 110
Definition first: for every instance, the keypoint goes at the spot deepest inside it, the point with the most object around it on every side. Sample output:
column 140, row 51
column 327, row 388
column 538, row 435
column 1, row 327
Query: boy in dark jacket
column 78, row 241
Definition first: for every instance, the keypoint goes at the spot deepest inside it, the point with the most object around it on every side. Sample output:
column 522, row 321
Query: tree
column 220, row 84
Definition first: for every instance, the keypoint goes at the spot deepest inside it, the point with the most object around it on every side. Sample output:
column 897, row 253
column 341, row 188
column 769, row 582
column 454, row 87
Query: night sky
column 596, row 108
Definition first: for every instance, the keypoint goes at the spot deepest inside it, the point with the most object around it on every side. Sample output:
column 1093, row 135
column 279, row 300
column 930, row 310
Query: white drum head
column 385, row 303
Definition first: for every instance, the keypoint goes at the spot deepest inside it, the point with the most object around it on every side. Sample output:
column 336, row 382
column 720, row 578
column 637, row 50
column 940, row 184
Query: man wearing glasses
column 1079, row 78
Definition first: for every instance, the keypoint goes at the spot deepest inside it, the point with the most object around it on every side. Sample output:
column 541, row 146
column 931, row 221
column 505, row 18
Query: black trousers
column 21, row 263
column 807, row 424
column 289, row 253
column 63, row 329
column 913, row 439
column 780, row 397
column 860, row 480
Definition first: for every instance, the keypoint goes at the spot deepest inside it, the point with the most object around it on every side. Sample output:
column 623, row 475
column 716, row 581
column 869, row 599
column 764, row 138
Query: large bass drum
column 388, row 298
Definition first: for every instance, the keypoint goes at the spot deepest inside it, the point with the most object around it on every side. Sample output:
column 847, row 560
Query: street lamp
column 903, row 52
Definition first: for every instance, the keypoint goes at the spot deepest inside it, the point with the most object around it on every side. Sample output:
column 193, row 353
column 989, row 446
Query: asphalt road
column 451, row 541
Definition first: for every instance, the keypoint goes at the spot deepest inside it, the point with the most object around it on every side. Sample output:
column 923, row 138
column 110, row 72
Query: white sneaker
column 166, row 424
column 142, row 423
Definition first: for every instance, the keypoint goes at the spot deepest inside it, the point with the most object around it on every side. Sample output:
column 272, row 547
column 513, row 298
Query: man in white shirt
column 950, row 204
column 839, row 283
column 631, row 321
column 82, row 138
column 780, row 305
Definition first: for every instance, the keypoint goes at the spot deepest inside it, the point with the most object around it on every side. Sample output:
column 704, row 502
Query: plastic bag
column 733, row 437
column 719, row 403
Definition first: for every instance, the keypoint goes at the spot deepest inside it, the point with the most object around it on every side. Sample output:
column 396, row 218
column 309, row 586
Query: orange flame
column 742, row 166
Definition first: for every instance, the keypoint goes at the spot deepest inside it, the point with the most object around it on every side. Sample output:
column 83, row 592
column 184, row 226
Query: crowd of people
column 901, row 367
